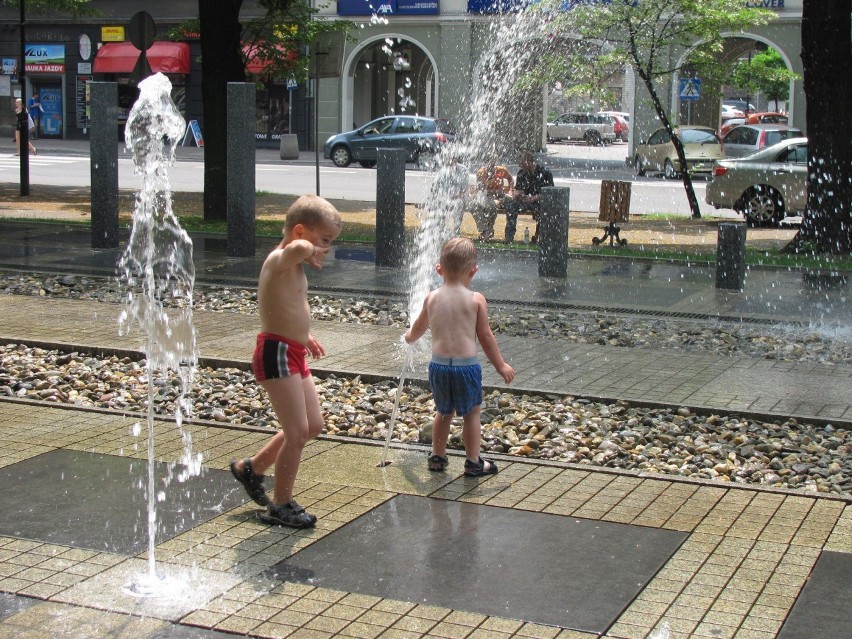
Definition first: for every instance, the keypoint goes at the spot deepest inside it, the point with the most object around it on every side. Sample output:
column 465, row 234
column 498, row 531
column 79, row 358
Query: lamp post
column 24, row 134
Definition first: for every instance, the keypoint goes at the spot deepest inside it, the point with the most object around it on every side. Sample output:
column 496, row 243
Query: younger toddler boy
column 458, row 318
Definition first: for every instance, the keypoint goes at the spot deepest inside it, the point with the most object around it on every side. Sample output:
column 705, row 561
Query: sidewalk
column 540, row 550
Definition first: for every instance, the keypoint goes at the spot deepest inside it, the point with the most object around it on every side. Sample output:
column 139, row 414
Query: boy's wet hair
column 312, row 212
column 458, row 255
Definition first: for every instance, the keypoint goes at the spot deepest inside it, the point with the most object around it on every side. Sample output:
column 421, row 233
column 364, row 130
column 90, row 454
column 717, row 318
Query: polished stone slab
column 98, row 502
column 536, row 567
column 824, row 607
column 13, row 604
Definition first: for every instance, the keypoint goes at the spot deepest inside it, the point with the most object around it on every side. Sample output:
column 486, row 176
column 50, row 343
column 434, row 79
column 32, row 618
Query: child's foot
column 438, row 463
column 479, row 468
column 252, row 482
column 290, row 514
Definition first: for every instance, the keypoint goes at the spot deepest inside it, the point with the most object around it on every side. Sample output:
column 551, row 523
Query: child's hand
column 507, row 373
column 314, row 347
column 316, row 258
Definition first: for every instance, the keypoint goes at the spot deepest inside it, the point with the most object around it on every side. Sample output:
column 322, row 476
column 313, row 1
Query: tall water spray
column 518, row 41
column 495, row 101
column 158, row 273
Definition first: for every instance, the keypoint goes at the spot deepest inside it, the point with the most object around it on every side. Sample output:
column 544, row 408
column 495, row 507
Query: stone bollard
column 730, row 256
column 240, row 179
column 390, row 208
column 289, row 149
column 553, row 232
column 103, row 161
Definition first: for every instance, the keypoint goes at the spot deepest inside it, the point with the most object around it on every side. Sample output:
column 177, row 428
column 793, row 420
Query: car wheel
column 593, row 138
column 640, row 168
column 341, row 156
column 761, row 206
column 669, row 170
column 367, row 164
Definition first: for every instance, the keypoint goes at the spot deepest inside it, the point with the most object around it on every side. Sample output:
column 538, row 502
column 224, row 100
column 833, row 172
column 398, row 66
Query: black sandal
column 438, row 463
column 252, row 482
column 478, row 469
column 290, row 514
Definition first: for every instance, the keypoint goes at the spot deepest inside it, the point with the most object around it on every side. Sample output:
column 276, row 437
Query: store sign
column 366, row 7
column 10, row 66
column 112, row 34
column 44, row 58
column 418, row 7
column 496, row 6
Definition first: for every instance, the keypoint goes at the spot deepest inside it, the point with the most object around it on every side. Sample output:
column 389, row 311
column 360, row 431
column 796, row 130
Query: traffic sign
column 690, row 89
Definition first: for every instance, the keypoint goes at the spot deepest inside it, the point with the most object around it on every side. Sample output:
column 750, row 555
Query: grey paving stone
column 536, row 567
column 13, row 604
column 98, row 502
column 824, row 607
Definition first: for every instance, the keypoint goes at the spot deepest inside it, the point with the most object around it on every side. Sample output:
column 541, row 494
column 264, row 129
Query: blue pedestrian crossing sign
column 690, row 89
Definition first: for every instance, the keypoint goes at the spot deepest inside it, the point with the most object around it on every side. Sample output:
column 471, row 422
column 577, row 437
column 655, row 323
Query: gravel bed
column 784, row 342
column 725, row 448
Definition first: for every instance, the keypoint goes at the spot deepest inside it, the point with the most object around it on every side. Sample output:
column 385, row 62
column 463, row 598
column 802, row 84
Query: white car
column 764, row 186
column 592, row 128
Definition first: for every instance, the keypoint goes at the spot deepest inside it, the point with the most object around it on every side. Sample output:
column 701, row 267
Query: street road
column 648, row 195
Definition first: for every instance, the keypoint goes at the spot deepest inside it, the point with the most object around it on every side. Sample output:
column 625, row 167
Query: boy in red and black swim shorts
column 280, row 357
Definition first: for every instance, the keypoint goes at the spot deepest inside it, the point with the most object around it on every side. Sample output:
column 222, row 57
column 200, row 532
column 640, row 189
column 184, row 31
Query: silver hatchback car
column 764, row 186
column 745, row 139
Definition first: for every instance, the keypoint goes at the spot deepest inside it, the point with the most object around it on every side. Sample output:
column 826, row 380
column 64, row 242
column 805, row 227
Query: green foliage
column 280, row 38
column 766, row 72
column 641, row 34
column 72, row 7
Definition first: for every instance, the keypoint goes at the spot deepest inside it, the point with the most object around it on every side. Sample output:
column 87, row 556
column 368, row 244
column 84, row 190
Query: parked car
column 739, row 105
column 748, row 138
column 768, row 117
column 730, row 124
column 623, row 114
column 729, row 112
column 621, row 127
column 765, row 186
column 420, row 137
column 657, row 154
column 593, row 128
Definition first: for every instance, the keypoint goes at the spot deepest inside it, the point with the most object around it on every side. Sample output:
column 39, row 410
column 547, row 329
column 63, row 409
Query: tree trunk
column 221, row 62
column 826, row 58
column 664, row 119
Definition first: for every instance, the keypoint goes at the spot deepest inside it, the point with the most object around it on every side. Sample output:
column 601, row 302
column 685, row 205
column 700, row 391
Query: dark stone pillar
column 390, row 208
column 241, row 184
column 103, row 158
column 730, row 256
column 553, row 232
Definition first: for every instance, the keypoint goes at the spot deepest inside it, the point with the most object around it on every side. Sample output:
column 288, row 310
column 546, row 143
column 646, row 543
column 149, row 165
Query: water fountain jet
column 158, row 274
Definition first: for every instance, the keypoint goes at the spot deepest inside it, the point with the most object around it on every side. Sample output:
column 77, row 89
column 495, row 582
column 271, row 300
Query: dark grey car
column 420, row 137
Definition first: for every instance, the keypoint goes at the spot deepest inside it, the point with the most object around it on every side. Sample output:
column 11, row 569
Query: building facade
column 403, row 56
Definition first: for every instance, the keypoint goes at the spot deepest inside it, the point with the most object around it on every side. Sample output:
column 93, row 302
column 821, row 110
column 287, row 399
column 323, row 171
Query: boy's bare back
column 453, row 310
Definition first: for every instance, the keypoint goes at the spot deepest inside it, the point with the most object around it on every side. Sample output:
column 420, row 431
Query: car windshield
column 697, row 136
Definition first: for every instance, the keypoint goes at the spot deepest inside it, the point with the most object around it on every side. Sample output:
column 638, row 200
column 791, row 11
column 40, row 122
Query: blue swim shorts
column 456, row 384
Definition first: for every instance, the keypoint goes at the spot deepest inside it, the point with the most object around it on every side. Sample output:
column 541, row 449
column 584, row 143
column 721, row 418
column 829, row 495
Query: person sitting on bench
column 526, row 196
column 490, row 194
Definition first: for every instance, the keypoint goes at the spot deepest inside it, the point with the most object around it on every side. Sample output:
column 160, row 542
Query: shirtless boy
column 279, row 360
column 458, row 318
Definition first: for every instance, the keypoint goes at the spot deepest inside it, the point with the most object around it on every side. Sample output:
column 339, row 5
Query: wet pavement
column 541, row 549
